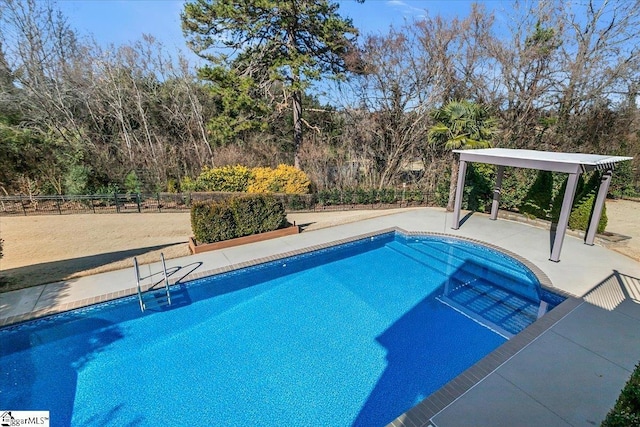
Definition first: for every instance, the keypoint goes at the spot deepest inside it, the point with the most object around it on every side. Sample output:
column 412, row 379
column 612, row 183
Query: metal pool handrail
column 166, row 281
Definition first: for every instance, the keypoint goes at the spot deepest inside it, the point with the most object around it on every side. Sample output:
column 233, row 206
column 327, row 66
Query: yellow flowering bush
column 283, row 179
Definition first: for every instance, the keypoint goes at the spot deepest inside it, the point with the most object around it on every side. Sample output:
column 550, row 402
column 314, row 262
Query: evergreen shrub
column 257, row 214
column 387, row 195
column 626, row 411
column 236, row 217
column 212, row 222
column 537, row 201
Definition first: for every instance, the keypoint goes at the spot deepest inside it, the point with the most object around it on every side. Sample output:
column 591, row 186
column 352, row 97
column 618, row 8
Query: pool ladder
column 166, row 281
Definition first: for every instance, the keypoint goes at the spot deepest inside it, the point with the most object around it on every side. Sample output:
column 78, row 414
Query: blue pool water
column 351, row 335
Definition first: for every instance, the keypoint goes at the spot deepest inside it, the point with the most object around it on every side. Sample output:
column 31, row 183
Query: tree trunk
column 453, row 183
column 297, row 127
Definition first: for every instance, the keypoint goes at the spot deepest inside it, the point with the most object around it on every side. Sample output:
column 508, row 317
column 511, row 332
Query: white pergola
column 573, row 164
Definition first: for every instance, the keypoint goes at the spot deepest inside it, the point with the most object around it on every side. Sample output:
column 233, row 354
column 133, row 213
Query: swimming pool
column 350, row 335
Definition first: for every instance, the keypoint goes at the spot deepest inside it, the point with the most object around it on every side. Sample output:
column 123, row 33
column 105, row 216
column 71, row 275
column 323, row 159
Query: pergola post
column 462, row 171
column 563, row 222
column 605, row 181
column 496, row 193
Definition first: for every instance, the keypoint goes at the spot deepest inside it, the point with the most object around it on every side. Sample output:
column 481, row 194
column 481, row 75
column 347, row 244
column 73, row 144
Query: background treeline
column 77, row 117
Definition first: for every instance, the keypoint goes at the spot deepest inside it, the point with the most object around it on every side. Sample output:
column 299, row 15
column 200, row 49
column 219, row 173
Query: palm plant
column 461, row 125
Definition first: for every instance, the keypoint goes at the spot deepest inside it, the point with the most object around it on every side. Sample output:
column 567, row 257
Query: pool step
column 155, row 300
column 466, row 269
column 502, row 276
column 475, row 290
column 502, row 311
column 428, row 260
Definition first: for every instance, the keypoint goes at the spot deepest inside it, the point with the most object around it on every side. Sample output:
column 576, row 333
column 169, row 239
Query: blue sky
column 123, row 21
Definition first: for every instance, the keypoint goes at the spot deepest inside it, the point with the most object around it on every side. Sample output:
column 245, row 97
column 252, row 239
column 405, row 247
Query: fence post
column 22, row 204
column 404, row 190
column 158, row 198
column 58, row 203
column 138, row 200
column 93, row 205
column 115, row 198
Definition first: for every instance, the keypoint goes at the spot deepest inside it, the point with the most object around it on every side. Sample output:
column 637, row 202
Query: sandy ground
column 624, row 218
column 50, row 248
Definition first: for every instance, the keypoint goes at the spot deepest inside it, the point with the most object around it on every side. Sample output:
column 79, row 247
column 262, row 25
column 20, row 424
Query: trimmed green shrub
column 414, row 196
column 298, row 202
column 626, row 411
column 348, row 196
column 257, row 214
column 537, row 202
column 365, row 197
column 212, row 222
column 335, row 197
column 387, row 195
column 236, row 217
column 515, row 186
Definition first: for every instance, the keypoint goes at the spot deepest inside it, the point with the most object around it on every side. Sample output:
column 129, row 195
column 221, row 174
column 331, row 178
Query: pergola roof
column 571, row 163
column 541, row 160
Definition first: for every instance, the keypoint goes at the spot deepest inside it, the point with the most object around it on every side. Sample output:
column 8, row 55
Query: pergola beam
column 462, row 171
column 497, row 191
column 605, row 182
column 563, row 221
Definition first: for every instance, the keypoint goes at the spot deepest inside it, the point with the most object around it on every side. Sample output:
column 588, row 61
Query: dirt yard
column 624, row 218
column 50, row 248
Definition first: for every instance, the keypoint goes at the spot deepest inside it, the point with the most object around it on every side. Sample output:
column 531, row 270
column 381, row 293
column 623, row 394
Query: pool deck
column 565, row 371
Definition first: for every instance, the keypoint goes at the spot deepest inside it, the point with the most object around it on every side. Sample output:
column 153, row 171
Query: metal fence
column 180, row 202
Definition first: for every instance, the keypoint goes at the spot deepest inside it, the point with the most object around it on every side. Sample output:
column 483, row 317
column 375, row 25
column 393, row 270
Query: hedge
column 537, row 201
column 626, row 411
column 236, row 217
column 212, row 222
column 257, row 214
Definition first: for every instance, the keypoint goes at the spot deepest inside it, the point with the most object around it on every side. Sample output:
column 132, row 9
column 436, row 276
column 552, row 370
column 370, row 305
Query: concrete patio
column 567, row 373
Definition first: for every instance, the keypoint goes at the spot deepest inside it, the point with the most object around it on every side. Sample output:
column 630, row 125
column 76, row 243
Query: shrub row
column 283, row 179
column 236, row 217
column 364, row 196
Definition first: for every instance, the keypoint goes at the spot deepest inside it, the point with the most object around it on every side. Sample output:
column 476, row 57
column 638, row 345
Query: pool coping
column 420, row 414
